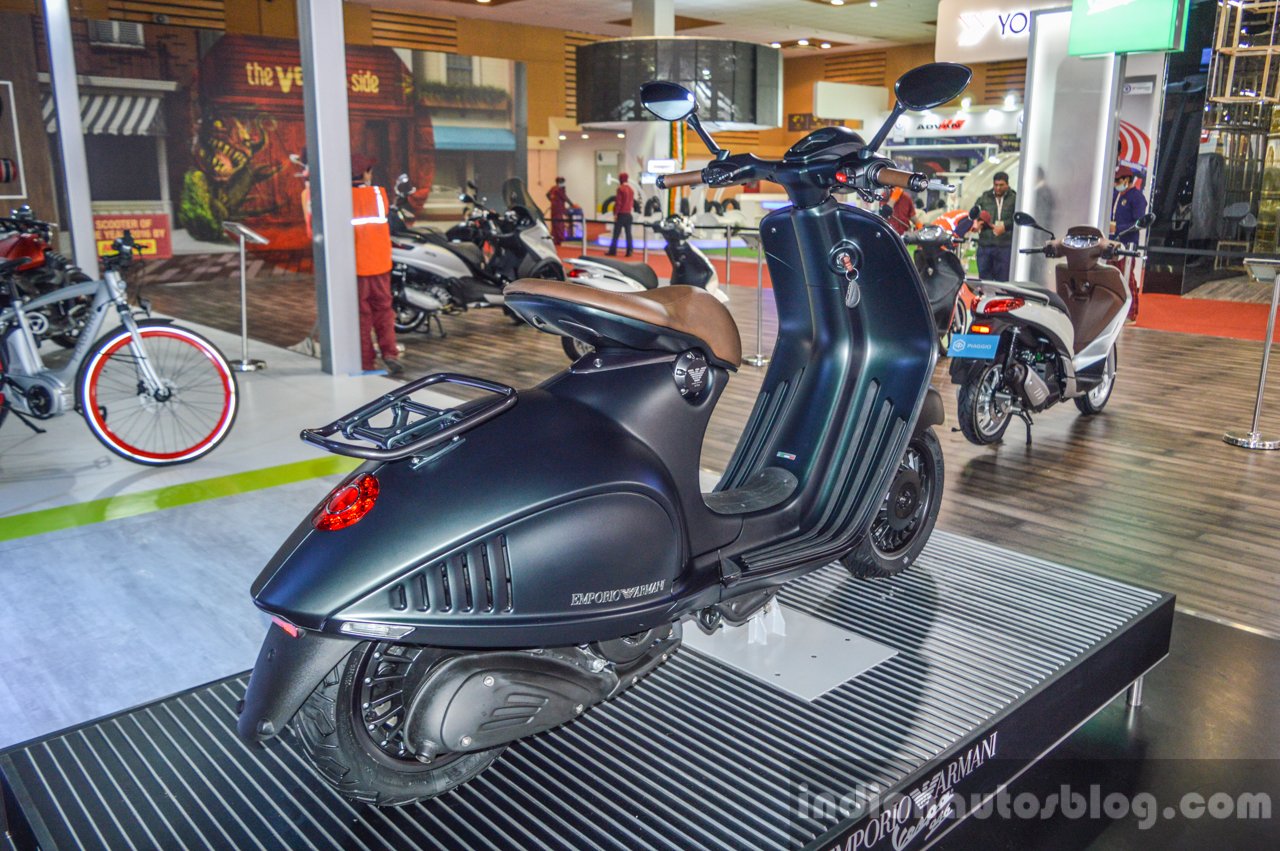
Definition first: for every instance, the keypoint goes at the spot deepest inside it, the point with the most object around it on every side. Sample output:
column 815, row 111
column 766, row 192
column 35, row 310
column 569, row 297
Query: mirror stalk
column 696, row 124
column 883, row 132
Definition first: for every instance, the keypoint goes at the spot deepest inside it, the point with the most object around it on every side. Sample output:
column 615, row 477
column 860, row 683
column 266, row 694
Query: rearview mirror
column 931, row 85
column 466, row 199
column 1024, row 219
column 668, row 101
column 1147, row 221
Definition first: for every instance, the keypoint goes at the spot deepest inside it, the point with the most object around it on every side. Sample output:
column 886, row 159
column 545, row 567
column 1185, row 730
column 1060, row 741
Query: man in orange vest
column 373, row 266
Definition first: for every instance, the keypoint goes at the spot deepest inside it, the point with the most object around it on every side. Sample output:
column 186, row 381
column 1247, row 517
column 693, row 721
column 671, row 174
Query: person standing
column 623, row 203
column 1127, row 206
column 993, row 219
column 560, row 207
column 373, row 266
column 899, row 210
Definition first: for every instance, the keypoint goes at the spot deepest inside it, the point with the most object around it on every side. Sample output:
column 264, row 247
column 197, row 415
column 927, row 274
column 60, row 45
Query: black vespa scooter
column 497, row 569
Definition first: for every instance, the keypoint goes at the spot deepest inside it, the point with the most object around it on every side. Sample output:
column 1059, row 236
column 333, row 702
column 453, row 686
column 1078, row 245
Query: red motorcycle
column 25, row 238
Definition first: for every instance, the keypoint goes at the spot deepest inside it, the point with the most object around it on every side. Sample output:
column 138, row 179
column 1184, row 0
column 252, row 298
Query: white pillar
column 324, row 68
column 653, row 17
column 75, row 165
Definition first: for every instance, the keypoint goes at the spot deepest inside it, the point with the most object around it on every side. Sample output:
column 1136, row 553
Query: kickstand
column 1026, row 419
column 439, row 325
column 4, row 412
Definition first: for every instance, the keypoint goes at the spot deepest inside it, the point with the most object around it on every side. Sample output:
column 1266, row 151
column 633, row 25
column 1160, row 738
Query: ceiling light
column 482, row 1
column 873, row 4
column 622, row 135
column 586, row 135
column 837, row 2
column 563, row 137
column 1010, row 100
column 965, row 103
column 825, row 45
column 804, row 42
column 775, row 44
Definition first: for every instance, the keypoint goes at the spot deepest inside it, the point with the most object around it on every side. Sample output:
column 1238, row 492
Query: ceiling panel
column 902, row 21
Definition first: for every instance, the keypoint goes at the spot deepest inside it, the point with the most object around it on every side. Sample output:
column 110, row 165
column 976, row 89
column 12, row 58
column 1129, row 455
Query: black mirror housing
column 931, row 85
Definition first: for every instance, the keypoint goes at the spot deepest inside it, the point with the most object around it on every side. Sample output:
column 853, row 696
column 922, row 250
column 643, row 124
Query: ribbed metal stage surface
column 998, row 657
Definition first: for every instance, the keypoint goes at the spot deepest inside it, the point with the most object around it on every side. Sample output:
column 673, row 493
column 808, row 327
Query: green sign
column 1127, row 26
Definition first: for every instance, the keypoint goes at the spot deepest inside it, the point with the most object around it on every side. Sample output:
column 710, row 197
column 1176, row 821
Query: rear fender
column 288, row 669
column 931, row 412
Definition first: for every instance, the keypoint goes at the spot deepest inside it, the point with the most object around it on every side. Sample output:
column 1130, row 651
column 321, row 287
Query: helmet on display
column 23, row 214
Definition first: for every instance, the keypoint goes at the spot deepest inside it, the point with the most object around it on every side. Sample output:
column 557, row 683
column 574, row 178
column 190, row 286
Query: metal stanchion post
column 244, row 234
column 1253, row 440
column 728, row 260
column 758, row 359
column 584, row 236
column 644, row 243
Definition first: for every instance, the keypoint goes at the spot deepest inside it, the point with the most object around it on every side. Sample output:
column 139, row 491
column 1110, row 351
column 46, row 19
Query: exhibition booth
column 778, row 532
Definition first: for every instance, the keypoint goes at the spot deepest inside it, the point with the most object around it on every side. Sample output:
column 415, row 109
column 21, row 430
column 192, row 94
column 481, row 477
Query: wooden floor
column 1146, row 492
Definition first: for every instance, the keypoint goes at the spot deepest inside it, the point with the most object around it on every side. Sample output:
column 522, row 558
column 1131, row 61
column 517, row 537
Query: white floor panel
column 68, row 466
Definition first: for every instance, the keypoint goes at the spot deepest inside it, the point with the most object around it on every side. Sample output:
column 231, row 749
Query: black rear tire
column 982, row 420
column 905, row 520
column 345, row 754
column 408, row 317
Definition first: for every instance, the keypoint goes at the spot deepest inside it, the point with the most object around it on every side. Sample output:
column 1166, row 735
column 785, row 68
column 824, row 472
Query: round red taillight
column 577, row 273
column 347, row 503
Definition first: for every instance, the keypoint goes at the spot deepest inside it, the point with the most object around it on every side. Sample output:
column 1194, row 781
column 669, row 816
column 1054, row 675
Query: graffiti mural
column 218, row 187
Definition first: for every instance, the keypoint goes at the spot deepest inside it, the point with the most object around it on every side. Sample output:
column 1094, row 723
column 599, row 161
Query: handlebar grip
column 888, row 176
column 1031, row 251
column 680, row 178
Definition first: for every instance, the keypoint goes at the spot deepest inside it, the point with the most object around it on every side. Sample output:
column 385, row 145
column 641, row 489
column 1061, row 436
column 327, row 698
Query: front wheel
column 575, row 348
column 1096, row 399
column 182, row 419
column 983, row 413
column 352, row 729
column 907, row 516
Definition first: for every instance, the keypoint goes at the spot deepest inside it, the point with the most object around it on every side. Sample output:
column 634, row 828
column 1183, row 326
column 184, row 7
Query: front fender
column 288, row 669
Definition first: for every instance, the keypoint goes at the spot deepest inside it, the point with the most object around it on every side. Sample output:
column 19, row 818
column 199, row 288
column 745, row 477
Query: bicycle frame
column 110, row 290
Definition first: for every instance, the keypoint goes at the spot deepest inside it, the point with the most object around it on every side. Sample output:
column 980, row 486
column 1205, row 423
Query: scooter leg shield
column 288, row 669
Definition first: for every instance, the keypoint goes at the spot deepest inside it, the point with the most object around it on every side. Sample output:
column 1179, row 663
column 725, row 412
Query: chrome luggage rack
column 414, row 427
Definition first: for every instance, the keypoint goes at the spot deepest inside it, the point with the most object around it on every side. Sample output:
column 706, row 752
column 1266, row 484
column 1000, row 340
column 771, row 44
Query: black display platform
column 999, row 656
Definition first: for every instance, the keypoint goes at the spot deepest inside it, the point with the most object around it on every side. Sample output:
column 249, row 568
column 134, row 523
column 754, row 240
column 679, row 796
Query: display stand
column 758, row 359
column 993, row 658
column 245, row 235
column 1261, row 270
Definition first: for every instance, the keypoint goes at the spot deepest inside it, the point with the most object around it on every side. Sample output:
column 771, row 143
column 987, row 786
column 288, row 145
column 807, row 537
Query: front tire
column 373, row 765
column 1096, row 399
column 906, row 518
column 983, row 417
column 575, row 348
column 186, row 419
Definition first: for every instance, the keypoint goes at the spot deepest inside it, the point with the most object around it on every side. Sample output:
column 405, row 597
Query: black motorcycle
column 940, row 270
column 497, row 569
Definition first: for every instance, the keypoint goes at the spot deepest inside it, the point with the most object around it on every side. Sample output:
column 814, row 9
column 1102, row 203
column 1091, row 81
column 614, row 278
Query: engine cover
column 483, row 700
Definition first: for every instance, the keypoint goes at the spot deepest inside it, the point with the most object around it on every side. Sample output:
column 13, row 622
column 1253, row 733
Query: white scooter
column 432, row 274
column 1017, row 349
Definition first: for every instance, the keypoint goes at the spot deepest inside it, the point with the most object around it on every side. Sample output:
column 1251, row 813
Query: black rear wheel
column 907, row 516
column 352, row 729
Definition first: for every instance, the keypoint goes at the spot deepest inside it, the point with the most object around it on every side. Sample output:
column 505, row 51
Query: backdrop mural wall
column 188, row 128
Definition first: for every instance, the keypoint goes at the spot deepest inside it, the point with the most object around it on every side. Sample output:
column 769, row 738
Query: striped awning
column 112, row 115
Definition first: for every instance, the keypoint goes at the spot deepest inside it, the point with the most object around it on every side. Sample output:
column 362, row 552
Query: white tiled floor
column 68, row 465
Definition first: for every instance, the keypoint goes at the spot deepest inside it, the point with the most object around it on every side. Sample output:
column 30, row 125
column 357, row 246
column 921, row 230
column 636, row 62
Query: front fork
column 147, row 375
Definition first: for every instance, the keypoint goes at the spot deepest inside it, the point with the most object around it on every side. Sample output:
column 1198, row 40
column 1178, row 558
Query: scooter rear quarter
column 586, row 543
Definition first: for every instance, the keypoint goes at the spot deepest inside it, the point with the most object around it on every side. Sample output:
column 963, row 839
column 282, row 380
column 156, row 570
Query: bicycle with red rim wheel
column 151, row 391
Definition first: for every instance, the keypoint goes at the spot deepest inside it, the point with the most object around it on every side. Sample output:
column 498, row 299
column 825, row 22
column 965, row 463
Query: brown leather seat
column 672, row 318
